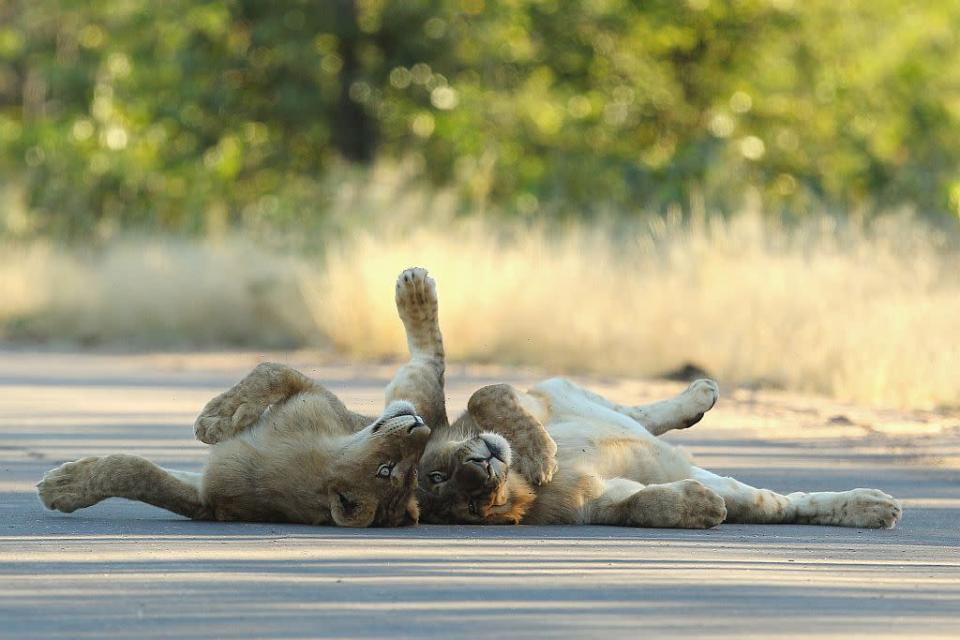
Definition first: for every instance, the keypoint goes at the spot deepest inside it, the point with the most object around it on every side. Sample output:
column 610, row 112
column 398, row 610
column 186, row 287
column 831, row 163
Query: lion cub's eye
column 436, row 477
column 385, row 470
column 472, row 507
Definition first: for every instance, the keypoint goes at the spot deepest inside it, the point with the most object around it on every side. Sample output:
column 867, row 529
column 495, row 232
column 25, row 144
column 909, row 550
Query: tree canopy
column 181, row 114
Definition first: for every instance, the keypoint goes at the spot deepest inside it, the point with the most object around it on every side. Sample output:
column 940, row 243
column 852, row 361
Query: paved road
column 122, row 569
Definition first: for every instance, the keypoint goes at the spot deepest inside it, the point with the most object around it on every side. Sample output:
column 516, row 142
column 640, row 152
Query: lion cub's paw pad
column 872, row 508
column 64, row 488
column 416, row 294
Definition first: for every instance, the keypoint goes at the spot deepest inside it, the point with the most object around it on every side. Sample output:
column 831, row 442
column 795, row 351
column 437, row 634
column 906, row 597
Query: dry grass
column 865, row 314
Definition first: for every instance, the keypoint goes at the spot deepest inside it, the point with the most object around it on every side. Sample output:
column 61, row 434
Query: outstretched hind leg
column 87, row 481
column 239, row 408
column 679, row 412
column 420, row 381
column 867, row 508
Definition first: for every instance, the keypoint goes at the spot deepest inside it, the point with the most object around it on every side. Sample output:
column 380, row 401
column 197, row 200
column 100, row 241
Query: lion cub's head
column 469, row 481
column 377, row 471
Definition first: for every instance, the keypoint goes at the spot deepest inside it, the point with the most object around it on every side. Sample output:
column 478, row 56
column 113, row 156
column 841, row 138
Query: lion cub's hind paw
column 699, row 397
column 704, row 508
column 704, row 393
column 65, row 488
column 873, row 509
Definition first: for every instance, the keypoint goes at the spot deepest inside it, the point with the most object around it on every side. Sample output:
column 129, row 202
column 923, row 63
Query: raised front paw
column 416, row 295
column 535, row 457
column 417, row 306
column 66, row 488
column 698, row 398
column 870, row 508
column 538, row 471
column 226, row 415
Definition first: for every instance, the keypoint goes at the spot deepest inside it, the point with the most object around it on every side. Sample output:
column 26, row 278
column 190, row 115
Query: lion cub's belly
column 614, row 451
column 589, row 452
column 263, row 476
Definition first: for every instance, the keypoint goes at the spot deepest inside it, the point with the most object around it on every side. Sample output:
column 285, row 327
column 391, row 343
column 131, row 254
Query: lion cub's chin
column 511, row 502
column 505, row 504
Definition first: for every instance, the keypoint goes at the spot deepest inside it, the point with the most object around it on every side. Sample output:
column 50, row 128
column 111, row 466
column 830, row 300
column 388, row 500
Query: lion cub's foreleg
column 241, row 406
column 502, row 409
column 680, row 412
column 868, row 508
column 685, row 504
column 87, row 481
column 420, row 381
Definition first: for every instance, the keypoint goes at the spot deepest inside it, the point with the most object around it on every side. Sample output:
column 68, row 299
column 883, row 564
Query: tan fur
column 610, row 468
column 456, row 485
column 285, row 449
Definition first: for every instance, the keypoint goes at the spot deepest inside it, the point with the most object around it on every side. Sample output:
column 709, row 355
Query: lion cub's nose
column 417, row 423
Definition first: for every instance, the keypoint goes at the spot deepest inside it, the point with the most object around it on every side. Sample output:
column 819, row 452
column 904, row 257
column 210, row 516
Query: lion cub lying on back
column 572, row 457
column 559, row 454
column 285, row 449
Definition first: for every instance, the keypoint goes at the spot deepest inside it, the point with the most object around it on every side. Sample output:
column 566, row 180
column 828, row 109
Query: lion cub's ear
column 347, row 512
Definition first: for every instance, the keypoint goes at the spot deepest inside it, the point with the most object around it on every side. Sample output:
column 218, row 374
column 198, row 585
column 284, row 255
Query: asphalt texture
column 124, row 569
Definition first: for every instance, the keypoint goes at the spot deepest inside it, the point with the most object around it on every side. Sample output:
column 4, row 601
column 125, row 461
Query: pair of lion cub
column 285, row 449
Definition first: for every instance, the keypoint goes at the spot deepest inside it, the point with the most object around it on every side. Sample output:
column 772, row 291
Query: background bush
column 200, row 116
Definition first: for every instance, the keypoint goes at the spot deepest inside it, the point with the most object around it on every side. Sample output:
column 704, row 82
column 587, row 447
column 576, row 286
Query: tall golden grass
column 869, row 313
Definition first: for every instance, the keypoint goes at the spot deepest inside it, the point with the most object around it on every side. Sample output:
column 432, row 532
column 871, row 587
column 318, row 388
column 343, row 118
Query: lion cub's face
column 377, row 471
column 469, row 481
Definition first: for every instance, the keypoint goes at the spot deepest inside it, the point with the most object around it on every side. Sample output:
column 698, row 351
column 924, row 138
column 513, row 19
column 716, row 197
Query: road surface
column 123, row 569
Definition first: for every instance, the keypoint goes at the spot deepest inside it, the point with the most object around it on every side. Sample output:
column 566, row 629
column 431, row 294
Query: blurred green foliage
column 189, row 116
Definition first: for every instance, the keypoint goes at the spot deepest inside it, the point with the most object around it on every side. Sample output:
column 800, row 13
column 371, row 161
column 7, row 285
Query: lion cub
column 570, row 456
column 285, row 449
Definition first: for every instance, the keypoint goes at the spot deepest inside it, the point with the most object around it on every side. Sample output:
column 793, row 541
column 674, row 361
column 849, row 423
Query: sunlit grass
column 866, row 314
column 863, row 315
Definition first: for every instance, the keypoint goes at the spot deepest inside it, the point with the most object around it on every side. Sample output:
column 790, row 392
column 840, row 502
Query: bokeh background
column 766, row 189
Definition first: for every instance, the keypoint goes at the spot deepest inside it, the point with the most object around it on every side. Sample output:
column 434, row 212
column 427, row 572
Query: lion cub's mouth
column 399, row 410
column 418, row 423
column 495, row 452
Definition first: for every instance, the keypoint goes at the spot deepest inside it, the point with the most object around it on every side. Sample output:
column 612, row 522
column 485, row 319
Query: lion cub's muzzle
column 398, row 414
column 401, row 425
column 482, row 466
